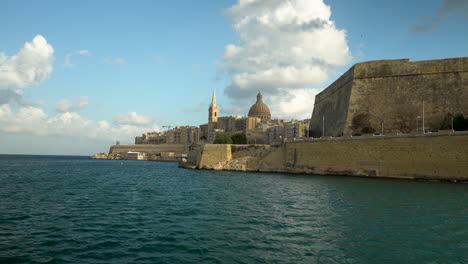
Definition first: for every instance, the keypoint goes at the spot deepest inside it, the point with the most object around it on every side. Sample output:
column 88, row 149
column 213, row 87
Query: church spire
column 213, row 99
column 213, row 111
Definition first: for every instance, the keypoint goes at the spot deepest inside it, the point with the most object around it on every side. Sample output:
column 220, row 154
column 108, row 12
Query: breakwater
column 430, row 157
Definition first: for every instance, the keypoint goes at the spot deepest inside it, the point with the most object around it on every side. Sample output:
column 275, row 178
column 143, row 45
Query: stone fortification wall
column 213, row 154
column 332, row 103
column 150, row 149
column 435, row 157
column 193, row 158
column 421, row 157
column 393, row 92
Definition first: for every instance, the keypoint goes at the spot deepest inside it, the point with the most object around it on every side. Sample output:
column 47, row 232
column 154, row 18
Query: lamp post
column 424, row 131
column 382, row 121
column 417, row 124
column 323, row 126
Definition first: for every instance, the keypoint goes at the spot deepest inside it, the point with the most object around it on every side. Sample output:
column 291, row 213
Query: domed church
column 259, row 109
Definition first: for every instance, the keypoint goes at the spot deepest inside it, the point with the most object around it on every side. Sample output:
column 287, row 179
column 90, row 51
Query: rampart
column 392, row 93
column 150, row 149
column 416, row 157
column 214, row 154
column 430, row 157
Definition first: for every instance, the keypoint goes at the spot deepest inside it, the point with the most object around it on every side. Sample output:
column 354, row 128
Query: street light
column 417, row 124
column 323, row 126
column 382, row 121
column 424, row 131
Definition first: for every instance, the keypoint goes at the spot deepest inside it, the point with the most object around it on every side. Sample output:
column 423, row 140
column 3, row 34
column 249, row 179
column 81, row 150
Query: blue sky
column 120, row 68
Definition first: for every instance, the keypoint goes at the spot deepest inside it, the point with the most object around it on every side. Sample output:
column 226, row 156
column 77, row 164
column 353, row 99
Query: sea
column 66, row 209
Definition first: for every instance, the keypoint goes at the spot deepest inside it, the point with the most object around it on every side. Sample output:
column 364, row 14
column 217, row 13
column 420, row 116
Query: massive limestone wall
column 332, row 104
column 150, row 149
column 420, row 157
column 213, row 154
column 430, row 157
column 393, row 92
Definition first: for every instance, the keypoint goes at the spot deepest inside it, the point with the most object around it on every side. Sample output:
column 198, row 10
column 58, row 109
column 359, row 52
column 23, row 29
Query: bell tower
column 213, row 111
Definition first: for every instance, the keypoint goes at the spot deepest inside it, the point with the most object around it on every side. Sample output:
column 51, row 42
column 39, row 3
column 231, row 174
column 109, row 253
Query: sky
column 76, row 76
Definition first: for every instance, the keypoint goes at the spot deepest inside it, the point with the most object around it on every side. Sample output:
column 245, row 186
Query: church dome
column 259, row 109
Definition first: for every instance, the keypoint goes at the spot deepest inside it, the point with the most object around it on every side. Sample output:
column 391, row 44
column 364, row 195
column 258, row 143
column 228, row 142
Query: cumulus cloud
column 285, row 47
column 34, row 121
column 30, row 66
column 65, row 105
column 8, row 96
column 448, row 7
column 133, row 119
column 116, row 61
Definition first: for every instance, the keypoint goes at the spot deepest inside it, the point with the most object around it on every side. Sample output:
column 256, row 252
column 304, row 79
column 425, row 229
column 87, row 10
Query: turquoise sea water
column 77, row 210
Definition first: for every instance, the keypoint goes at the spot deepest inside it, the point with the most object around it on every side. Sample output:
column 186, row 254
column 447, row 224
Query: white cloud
column 32, row 65
column 65, row 105
column 285, row 47
column 68, row 64
column 8, row 95
column 34, row 121
column 84, row 52
column 116, row 61
column 294, row 104
column 133, row 119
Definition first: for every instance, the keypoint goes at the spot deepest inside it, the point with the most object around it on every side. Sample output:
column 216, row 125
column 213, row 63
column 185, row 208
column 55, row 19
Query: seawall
column 430, row 157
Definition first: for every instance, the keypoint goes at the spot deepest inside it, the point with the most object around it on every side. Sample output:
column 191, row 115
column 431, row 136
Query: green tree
column 223, row 138
column 459, row 122
column 239, row 138
column 446, row 122
column 367, row 130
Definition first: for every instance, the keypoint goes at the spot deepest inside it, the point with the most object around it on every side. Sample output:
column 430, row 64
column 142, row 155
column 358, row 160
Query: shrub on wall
column 460, row 123
column 223, row 138
column 228, row 138
column 239, row 138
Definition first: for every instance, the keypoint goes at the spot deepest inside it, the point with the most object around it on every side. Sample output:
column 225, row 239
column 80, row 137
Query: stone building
column 183, row 135
column 203, row 133
column 154, row 138
column 290, row 129
column 395, row 95
column 233, row 124
column 258, row 135
column 178, row 135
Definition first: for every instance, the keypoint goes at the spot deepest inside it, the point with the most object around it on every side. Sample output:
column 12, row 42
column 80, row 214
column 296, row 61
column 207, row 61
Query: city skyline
column 76, row 77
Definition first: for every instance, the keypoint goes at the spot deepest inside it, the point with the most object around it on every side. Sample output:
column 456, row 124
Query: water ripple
column 75, row 210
